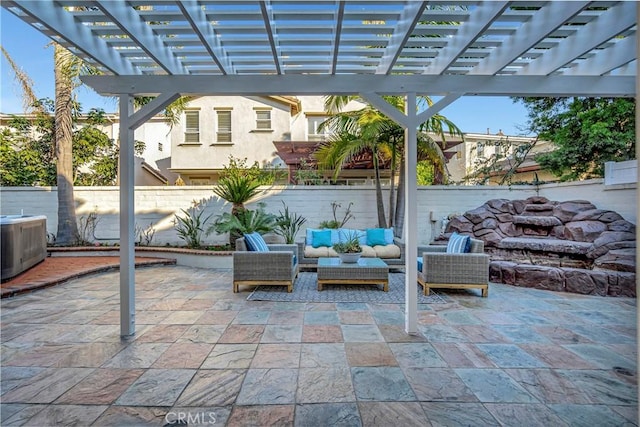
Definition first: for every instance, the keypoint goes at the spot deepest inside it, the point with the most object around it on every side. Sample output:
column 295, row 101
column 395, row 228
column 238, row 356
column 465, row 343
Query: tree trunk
column 67, row 226
column 399, row 213
column 382, row 222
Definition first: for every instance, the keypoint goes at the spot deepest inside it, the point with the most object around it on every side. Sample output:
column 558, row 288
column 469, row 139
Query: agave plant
column 288, row 225
column 244, row 222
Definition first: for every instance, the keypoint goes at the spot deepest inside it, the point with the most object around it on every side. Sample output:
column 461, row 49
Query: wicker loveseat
column 391, row 252
column 439, row 269
column 278, row 266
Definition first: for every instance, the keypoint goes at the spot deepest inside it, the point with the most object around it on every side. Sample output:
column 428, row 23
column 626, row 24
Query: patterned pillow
column 458, row 244
column 255, row 242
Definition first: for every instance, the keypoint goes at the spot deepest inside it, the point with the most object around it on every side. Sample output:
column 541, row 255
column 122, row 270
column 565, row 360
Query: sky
column 29, row 49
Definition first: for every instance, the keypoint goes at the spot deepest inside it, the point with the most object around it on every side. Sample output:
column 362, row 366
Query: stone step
column 537, row 221
column 546, row 245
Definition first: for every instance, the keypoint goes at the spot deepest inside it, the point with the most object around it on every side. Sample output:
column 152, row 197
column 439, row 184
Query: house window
column 192, row 127
column 480, row 149
column 223, row 133
column 159, row 146
column 315, row 134
column 199, row 181
column 263, row 119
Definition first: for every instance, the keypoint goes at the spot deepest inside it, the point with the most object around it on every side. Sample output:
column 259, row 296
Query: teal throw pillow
column 375, row 236
column 321, row 238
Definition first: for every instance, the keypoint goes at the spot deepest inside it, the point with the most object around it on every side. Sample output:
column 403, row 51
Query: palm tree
column 369, row 129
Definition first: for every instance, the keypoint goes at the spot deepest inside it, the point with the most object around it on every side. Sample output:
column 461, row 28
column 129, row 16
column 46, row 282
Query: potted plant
column 350, row 250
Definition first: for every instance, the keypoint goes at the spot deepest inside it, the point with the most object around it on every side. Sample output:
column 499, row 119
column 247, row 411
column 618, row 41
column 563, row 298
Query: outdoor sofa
column 390, row 248
column 275, row 264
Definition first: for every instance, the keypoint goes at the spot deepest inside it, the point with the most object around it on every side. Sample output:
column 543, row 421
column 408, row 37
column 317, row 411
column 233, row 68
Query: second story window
column 315, row 134
column 263, row 119
column 223, row 134
column 192, row 126
column 480, row 149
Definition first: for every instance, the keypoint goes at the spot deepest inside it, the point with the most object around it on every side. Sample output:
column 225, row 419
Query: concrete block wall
column 159, row 205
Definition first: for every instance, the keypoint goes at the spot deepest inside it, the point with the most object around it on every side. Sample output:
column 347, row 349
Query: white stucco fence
column 158, row 205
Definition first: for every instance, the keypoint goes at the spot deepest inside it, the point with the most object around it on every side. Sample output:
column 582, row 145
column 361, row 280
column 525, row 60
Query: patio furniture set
column 461, row 264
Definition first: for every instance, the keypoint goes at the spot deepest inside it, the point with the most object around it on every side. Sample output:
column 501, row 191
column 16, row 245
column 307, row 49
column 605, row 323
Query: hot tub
column 23, row 243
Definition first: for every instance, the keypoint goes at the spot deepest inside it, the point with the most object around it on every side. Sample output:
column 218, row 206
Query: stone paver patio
column 520, row 357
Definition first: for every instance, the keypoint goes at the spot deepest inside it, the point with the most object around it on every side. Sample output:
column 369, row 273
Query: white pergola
column 439, row 48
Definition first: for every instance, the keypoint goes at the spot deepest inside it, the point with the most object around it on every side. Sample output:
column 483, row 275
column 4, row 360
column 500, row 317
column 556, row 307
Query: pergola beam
column 480, row 19
column 608, row 86
column 407, row 22
column 623, row 52
column 337, row 30
column 540, row 25
column 77, row 35
column 265, row 8
column 119, row 12
column 608, row 25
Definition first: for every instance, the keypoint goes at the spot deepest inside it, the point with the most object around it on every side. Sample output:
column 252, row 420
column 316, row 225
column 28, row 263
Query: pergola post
column 411, row 215
column 127, row 219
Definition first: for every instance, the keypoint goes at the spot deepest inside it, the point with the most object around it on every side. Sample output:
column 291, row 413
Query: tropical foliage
column 288, row 224
column 587, row 132
column 244, row 221
column 190, row 225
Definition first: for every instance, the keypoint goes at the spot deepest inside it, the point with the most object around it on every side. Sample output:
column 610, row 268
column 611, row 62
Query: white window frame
column 191, row 134
column 313, row 135
column 224, row 136
column 263, row 124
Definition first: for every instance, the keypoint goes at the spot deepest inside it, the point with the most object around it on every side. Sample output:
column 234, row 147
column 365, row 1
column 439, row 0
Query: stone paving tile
column 137, row 355
column 288, row 317
column 381, row 384
column 388, row 317
column 460, row 317
column 282, row 334
column 321, row 318
column 12, row 376
column 348, row 306
column 369, row 354
column 556, row 356
column 494, row 385
column 481, row 334
column 251, row 317
column 353, row 317
column 438, row 384
column 548, row 386
column 216, row 317
column 324, row 385
column 328, row 414
column 89, row 355
column 198, row 416
column 133, row 416
column 239, row 334
column 230, row 356
column 277, row 356
column 182, row 317
column 321, row 333
column 323, row 355
column 602, row 386
column 46, row 386
column 156, row 387
column 268, row 387
column 163, row 333
column 588, row 415
column 442, row 333
column 458, row 414
column 19, row 414
column 525, row 414
column 100, row 387
column 510, row 356
column 361, row 333
column 262, row 415
column 392, row 414
column 183, row 355
column 207, row 334
column 395, row 333
column 216, row 387
column 601, row 356
column 463, row 355
column 55, row 415
column 416, row 355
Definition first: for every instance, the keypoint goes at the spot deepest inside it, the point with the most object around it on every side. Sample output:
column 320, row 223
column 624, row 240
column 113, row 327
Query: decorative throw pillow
column 388, row 235
column 458, row 244
column 309, row 237
column 420, row 260
column 255, row 242
column 375, row 236
column 321, row 238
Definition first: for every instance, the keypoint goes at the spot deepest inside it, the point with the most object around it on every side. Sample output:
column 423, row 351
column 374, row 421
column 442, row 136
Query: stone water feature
column 569, row 246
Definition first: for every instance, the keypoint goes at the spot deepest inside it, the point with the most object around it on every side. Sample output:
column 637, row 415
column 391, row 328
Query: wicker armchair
column 279, row 266
column 454, row 271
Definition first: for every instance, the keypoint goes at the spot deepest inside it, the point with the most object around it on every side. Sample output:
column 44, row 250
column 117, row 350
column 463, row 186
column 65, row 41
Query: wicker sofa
column 391, row 253
column 439, row 269
column 277, row 267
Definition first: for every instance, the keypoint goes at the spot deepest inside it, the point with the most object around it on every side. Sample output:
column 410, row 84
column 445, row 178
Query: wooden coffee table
column 367, row 271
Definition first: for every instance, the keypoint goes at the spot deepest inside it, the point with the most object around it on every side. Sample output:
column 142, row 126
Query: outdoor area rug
column 305, row 289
